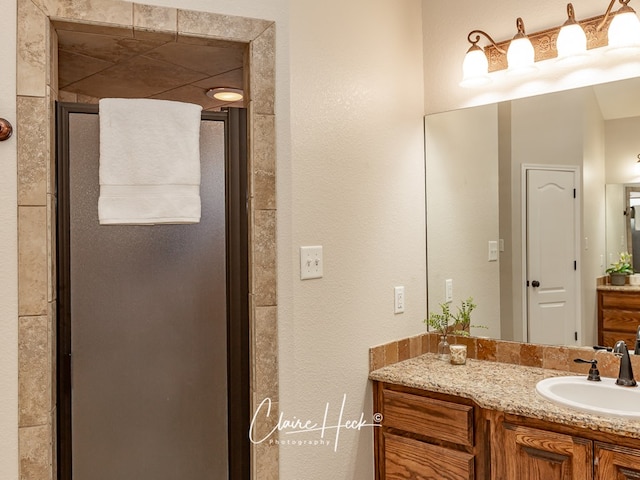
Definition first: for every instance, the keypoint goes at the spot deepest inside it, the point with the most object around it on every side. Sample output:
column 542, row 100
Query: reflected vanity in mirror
column 623, row 221
column 527, row 178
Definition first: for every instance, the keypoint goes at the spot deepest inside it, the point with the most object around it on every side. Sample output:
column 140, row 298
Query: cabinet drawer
column 407, row 458
column 616, row 462
column 621, row 300
column 446, row 421
column 610, row 338
column 621, row 320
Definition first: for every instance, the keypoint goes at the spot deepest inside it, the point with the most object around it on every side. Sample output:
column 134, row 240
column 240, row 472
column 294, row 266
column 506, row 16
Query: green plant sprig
column 440, row 321
column 463, row 317
column 446, row 322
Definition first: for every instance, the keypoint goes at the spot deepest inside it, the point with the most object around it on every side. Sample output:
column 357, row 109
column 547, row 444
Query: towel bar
column 5, row 129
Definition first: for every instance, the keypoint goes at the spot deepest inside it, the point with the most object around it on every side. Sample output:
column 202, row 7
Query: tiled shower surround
column 37, row 92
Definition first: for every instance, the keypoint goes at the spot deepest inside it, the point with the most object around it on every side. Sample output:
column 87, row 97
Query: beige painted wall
column 593, row 218
column 356, row 188
column 622, row 149
column 8, row 251
column 462, row 211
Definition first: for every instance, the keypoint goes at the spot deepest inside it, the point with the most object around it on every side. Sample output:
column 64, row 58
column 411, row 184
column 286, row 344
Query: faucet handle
column 600, row 347
column 594, row 373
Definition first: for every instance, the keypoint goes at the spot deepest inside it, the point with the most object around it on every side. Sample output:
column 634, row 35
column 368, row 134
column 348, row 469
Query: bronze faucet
column 625, row 376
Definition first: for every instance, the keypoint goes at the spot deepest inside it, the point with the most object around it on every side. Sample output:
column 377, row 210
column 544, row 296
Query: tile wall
column 526, row 354
column 37, row 90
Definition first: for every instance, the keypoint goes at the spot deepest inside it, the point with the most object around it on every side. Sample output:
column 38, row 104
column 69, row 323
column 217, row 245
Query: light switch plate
column 311, row 264
column 493, row 251
column 398, row 302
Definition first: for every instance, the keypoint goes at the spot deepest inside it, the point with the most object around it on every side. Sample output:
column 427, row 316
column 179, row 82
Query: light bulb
column 571, row 41
column 624, row 30
column 520, row 55
column 475, row 68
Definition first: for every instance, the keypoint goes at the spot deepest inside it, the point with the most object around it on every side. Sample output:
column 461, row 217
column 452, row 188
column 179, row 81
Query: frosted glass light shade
column 571, row 41
column 624, row 30
column 520, row 55
column 475, row 68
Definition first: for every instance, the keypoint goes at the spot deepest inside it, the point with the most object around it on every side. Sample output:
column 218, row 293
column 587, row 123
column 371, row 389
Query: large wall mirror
column 528, row 202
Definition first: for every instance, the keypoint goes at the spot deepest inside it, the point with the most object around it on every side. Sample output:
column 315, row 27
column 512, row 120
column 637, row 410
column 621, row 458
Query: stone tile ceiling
column 114, row 64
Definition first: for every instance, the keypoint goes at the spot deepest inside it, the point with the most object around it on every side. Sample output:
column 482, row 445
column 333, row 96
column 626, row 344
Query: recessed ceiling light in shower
column 226, row 94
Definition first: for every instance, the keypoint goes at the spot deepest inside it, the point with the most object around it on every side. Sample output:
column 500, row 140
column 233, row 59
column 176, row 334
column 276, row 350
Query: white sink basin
column 603, row 398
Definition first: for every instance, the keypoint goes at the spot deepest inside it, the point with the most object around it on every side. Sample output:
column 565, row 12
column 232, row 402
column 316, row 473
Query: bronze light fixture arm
column 571, row 15
column 474, row 43
column 520, row 27
column 625, row 3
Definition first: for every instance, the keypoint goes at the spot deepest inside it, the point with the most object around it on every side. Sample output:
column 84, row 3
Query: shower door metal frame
column 237, row 278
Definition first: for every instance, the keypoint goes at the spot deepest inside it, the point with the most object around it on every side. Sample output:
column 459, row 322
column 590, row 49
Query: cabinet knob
column 535, row 283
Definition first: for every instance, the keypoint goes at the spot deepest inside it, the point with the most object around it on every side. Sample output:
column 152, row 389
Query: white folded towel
column 149, row 162
column 636, row 212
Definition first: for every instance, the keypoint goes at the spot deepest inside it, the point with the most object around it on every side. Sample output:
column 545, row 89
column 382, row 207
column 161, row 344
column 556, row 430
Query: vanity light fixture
column 5, row 129
column 226, row 94
column 520, row 54
column 475, row 67
column 624, row 31
column 570, row 41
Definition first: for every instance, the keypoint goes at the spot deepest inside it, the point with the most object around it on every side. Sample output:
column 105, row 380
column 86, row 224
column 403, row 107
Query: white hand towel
column 636, row 216
column 149, row 162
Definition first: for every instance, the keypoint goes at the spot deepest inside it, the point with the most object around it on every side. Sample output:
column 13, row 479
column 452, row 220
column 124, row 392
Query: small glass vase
column 444, row 352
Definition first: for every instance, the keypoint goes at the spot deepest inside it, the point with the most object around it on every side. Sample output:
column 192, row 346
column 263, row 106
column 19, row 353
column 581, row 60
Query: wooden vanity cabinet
column 428, row 436
column 530, row 449
column 616, row 462
column 618, row 316
column 532, row 454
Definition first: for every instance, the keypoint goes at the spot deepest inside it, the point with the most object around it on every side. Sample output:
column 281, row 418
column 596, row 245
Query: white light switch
column 493, row 251
column 311, row 264
column 448, row 290
column 398, row 303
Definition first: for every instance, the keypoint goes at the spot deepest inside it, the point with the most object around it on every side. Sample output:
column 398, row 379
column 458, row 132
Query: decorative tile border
column 531, row 355
column 37, row 91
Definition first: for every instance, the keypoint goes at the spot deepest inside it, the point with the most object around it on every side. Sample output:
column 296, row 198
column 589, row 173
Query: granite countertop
column 498, row 386
column 619, row 288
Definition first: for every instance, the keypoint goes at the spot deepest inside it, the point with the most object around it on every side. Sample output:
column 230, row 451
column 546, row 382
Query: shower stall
column 153, row 349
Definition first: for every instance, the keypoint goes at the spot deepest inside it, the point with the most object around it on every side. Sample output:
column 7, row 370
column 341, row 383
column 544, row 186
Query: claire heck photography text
column 323, row 430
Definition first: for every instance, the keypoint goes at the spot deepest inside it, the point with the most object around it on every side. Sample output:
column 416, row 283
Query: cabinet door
column 616, row 463
column 406, row 458
column 532, row 454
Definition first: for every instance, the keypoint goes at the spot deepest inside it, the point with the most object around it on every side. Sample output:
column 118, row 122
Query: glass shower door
column 148, row 329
